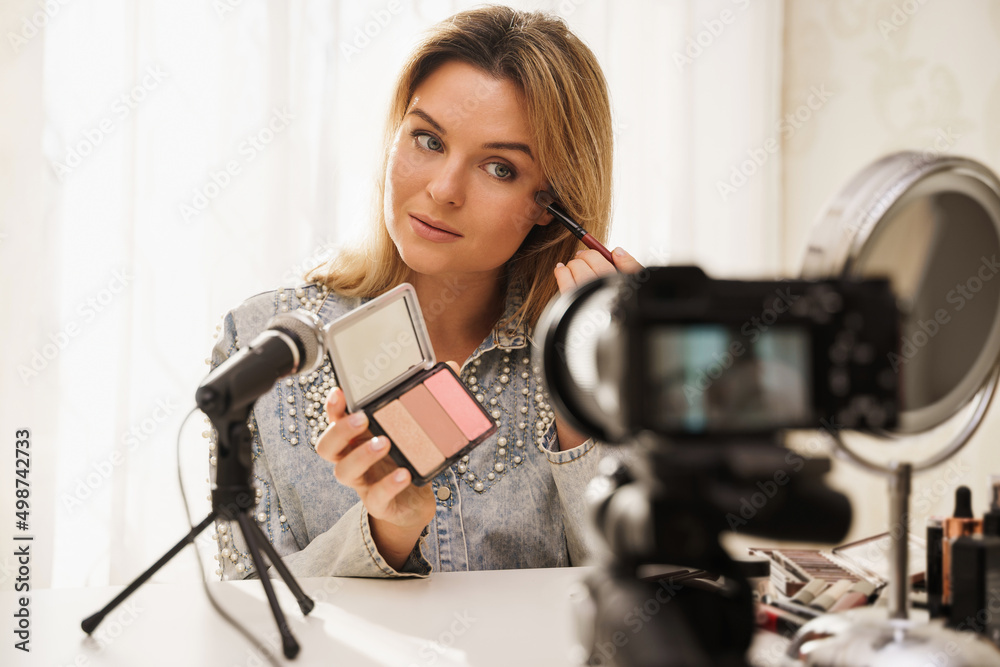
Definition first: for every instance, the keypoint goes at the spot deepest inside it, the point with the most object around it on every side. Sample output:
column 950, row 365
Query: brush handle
column 594, row 244
column 543, row 199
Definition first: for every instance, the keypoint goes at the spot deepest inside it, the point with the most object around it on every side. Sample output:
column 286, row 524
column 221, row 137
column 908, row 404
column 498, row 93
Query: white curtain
column 165, row 159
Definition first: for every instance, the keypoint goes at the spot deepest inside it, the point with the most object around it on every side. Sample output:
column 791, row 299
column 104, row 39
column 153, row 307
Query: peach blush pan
column 407, row 435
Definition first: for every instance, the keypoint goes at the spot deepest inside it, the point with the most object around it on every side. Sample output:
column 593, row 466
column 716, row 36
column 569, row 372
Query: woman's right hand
column 397, row 510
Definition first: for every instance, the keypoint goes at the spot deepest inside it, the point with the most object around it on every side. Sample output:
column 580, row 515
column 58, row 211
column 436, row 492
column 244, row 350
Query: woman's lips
column 426, row 231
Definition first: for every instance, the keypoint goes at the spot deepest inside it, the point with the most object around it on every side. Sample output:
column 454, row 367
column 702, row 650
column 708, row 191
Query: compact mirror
column 932, row 226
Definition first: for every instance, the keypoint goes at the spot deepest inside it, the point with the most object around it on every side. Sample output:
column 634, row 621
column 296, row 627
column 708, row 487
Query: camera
column 674, row 352
column 702, row 377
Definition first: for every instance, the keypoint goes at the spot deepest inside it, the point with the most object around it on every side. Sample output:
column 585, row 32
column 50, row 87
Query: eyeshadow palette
column 793, row 569
column 384, row 363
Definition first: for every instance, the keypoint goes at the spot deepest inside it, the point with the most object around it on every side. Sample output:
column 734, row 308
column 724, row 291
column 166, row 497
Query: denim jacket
column 516, row 501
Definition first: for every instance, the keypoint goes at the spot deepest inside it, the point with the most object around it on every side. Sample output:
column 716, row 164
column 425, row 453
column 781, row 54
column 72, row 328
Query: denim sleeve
column 346, row 549
column 572, row 470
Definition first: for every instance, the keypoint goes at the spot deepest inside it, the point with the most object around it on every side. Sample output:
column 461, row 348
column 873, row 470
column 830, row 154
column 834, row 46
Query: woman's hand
column 397, row 510
column 589, row 264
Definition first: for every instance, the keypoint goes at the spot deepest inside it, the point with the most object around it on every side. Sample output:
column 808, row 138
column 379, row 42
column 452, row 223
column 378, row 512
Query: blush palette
column 384, row 363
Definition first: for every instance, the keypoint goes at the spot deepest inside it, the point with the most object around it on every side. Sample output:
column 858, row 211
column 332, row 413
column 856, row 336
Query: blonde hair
column 566, row 102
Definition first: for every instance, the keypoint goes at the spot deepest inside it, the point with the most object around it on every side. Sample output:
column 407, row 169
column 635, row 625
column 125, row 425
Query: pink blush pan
column 460, row 406
column 433, row 418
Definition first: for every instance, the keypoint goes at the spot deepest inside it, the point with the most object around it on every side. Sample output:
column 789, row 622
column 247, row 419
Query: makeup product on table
column 809, row 592
column 795, row 608
column 793, row 571
column 856, row 596
column 829, row 597
column 383, row 360
column 782, row 581
column 991, row 521
column 976, row 585
column 870, row 555
column 547, row 201
column 935, row 566
column 779, row 621
column 962, row 524
column 790, row 565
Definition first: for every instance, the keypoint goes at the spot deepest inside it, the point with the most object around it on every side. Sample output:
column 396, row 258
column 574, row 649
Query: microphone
column 291, row 343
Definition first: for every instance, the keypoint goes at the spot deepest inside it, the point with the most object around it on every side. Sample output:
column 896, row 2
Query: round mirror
column 932, row 226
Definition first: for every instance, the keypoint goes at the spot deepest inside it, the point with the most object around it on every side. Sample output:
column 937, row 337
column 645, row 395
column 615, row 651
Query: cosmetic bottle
column 934, row 574
column 961, row 524
column 991, row 521
column 975, row 585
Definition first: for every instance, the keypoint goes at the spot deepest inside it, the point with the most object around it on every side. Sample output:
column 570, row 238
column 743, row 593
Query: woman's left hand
column 589, row 264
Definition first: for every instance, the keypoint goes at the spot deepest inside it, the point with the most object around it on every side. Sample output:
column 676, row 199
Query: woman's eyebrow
column 493, row 145
column 509, row 146
column 427, row 117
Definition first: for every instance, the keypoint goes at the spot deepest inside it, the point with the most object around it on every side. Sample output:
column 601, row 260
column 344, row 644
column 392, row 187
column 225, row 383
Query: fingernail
column 357, row 419
column 377, row 444
column 332, row 396
column 580, row 252
column 400, row 475
column 560, row 265
column 619, row 252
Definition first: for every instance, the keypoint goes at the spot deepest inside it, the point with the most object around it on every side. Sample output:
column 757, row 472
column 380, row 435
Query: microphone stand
column 232, row 499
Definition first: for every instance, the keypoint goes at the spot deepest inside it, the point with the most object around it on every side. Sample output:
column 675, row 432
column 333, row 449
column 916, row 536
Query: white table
column 512, row 617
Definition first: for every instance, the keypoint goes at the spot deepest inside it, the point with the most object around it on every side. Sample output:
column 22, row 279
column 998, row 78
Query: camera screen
column 710, row 378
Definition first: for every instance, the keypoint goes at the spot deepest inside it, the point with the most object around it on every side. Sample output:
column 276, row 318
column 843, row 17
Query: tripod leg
column 290, row 647
column 306, row 603
column 90, row 623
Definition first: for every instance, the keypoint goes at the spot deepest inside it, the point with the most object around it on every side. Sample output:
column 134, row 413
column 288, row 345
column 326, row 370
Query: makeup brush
column 546, row 201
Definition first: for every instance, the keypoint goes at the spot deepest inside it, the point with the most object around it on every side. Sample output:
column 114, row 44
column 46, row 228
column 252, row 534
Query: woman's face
column 462, row 174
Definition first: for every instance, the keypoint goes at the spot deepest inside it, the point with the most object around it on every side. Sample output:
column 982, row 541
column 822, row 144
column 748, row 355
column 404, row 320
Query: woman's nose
column 447, row 184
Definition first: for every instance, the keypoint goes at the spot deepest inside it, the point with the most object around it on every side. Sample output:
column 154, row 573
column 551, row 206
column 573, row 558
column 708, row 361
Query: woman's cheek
column 507, row 239
column 527, row 214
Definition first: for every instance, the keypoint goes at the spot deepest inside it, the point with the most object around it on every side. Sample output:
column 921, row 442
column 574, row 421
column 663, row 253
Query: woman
column 494, row 106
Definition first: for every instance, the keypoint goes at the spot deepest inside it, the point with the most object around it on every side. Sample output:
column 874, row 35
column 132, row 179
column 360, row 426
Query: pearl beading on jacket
column 316, row 386
column 490, row 397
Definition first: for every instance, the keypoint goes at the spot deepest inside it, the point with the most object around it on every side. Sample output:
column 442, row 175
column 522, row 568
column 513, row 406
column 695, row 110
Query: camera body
column 676, row 353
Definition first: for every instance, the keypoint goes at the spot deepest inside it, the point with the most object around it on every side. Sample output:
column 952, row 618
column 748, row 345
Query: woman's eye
column 500, row 170
column 428, row 141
